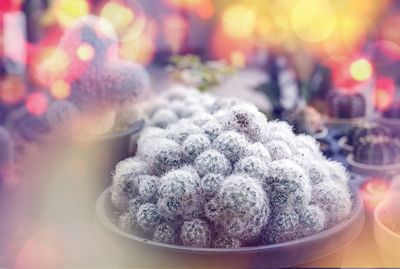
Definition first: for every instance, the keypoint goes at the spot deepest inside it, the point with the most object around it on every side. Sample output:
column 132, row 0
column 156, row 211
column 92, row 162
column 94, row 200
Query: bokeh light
column 187, row 4
column 52, row 64
column 239, row 28
column 384, row 93
column 85, row 52
column 224, row 46
column 175, row 29
column 38, row 255
column 10, row 5
column 361, row 69
column 238, row 59
column 373, row 191
column 36, row 103
column 67, row 11
column 12, row 89
column 117, row 14
column 43, row 250
column 205, row 10
column 313, row 20
column 126, row 17
column 60, row 89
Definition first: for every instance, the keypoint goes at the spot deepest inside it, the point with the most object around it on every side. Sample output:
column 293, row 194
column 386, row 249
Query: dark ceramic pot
column 141, row 252
column 372, row 169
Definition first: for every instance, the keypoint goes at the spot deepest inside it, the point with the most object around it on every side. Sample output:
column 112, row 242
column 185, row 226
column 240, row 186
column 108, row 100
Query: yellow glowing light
column 238, row 59
column 58, row 62
column 361, row 70
column 67, row 11
column 239, row 21
column 60, row 89
column 141, row 51
column 313, row 20
column 184, row 3
column 51, row 65
column 118, row 15
column 134, row 30
column 85, row 52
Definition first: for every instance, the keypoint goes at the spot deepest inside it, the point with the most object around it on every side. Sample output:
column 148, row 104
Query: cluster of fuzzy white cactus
column 215, row 173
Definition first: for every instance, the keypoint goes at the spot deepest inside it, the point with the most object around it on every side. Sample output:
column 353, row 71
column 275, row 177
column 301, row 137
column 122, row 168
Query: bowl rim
column 134, row 127
column 342, row 142
column 386, row 120
column 345, row 121
column 356, row 213
column 377, row 214
column 322, row 133
column 371, row 167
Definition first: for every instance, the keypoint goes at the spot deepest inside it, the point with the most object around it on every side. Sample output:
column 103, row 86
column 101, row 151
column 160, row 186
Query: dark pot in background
column 371, row 169
column 101, row 153
column 112, row 148
column 141, row 252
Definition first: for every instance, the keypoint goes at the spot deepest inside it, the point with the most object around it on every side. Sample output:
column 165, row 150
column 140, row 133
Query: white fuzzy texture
column 278, row 150
column 163, row 117
column 287, row 185
column 194, row 145
column 125, row 181
column 161, row 154
column 334, row 199
column 225, row 177
column 212, row 161
column 242, row 206
column 231, row 144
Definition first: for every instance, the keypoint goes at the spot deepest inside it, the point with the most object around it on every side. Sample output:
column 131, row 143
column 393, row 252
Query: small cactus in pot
column 377, row 150
column 103, row 86
column 343, row 105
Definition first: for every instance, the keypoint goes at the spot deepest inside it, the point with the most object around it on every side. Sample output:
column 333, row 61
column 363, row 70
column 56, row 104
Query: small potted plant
column 102, row 110
column 375, row 155
column 232, row 187
column 346, row 107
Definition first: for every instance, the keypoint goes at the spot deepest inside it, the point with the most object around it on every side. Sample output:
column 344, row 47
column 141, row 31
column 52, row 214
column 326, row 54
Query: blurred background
column 353, row 42
column 284, row 56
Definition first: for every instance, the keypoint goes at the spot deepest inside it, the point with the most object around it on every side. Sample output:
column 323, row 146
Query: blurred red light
column 205, row 10
column 12, row 89
column 384, row 93
column 36, row 103
column 373, row 191
column 38, row 255
column 10, row 5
